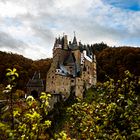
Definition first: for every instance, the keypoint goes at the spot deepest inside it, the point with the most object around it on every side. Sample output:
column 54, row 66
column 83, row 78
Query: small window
column 72, row 80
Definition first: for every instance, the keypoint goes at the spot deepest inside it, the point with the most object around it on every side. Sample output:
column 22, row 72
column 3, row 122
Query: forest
column 111, row 61
column 109, row 111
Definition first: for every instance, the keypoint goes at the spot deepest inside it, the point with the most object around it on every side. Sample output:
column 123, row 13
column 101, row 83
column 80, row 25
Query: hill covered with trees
column 111, row 62
column 25, row 67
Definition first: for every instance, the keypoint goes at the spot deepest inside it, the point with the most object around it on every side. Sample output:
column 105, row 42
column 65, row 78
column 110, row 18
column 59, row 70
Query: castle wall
column 88, row 74
column 79, row 87
column 77, row 55
column 58, row 84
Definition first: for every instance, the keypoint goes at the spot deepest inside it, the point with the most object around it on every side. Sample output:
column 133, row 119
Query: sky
column 29, row 27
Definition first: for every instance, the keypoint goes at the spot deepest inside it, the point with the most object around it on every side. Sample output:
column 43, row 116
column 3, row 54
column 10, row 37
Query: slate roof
column 35, row 81
column 69, row 60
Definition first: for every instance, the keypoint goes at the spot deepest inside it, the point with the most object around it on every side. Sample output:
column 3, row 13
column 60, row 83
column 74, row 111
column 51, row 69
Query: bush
column 25, row 119
column 113, row 114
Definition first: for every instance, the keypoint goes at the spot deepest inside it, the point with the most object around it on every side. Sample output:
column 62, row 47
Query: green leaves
column 30, row 100
column 112, row 114
column 12, row 74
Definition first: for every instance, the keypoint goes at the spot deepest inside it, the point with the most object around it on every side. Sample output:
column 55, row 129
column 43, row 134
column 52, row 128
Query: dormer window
column 58, row 71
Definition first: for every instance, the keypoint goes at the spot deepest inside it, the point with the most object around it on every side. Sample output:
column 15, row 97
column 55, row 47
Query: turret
column 74, row 41
column 57, row 44
column 65, row 42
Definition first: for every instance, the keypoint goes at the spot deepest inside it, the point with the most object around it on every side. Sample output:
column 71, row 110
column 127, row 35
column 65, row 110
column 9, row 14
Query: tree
column 112, row 114
column 28, row 116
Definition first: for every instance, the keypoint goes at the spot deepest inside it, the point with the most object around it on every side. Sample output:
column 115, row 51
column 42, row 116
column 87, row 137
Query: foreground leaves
column 112, row 114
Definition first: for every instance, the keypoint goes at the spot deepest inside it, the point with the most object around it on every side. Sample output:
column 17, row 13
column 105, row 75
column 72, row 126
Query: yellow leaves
column 44, row 95
column 90, row 111
column 22, row 127
column 127, row 73
column 47, row 123
column 112, row 105
column 16, row 113
column 8, row 88
column 30, row 100
column 33, row 116
column 97, row 118
column 13, row 73
column 45, row 99
column 34, row 126
column 97, row 128
column 61, row 136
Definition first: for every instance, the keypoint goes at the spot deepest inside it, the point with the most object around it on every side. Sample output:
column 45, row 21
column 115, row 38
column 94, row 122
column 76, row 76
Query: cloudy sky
column 29, row 27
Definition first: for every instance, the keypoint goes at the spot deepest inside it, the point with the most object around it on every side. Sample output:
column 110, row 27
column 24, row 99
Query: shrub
column 113, row 114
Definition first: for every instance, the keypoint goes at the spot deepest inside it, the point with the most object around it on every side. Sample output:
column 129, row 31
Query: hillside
column 25, row 67
column 111, row 62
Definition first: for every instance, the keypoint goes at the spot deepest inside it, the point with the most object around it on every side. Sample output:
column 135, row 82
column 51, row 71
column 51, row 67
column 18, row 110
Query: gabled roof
column 36, row 76
column 35, row 81
column 70, row 59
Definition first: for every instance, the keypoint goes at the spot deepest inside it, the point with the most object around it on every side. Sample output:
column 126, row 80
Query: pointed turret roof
column 74, row 45
column 35, row 81
column 36, row 76
column 74, row 40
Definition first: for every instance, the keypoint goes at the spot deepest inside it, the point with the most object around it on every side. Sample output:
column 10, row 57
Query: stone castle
column 73, row 68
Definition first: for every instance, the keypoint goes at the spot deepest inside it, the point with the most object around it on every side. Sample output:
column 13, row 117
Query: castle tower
column 65, row 42
column 77, row 53
column 57, row 51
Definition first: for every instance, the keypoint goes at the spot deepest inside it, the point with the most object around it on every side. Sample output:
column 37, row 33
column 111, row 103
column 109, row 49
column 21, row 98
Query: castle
column 73, row 68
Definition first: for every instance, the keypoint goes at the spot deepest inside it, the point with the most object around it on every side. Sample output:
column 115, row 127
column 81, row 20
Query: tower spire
column 74, row 33
column 74, row 39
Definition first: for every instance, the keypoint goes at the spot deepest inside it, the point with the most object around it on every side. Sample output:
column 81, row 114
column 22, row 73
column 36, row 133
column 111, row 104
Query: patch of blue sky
column 12, row 22
column 134, row 41
column 52, row 26
column 133, row 5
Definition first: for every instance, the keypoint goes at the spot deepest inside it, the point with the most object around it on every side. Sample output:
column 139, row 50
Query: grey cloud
column 9, row 42
column 101, row 22
column 40, row 25
column 43, row 33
